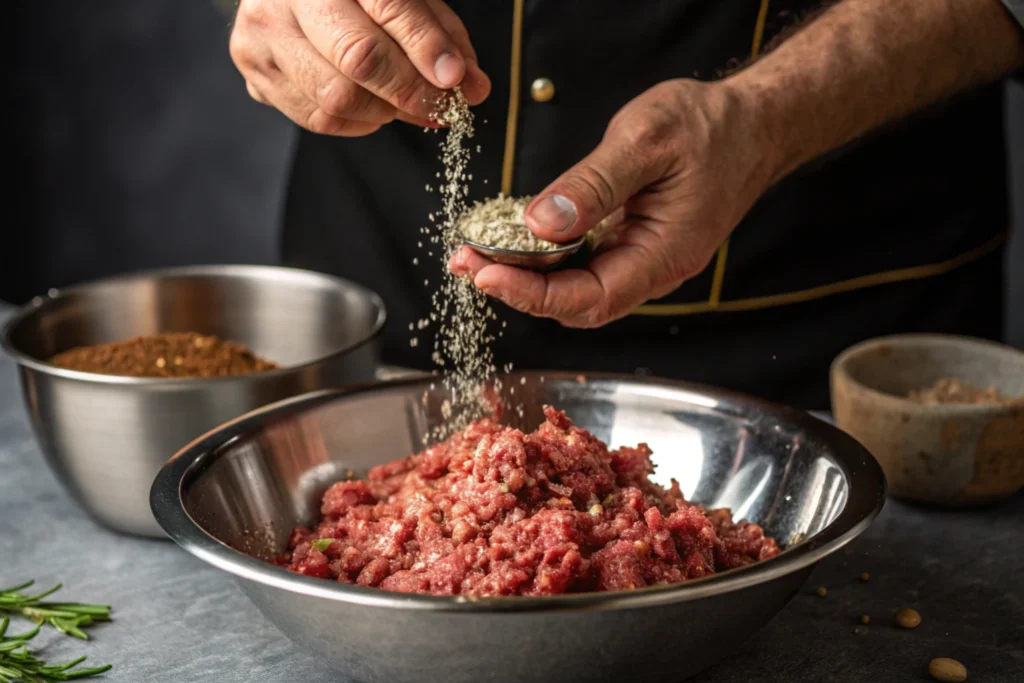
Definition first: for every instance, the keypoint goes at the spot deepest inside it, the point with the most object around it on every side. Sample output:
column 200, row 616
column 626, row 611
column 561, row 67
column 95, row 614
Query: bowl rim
column 839, row 369
column 237, row 271
column 863, row 504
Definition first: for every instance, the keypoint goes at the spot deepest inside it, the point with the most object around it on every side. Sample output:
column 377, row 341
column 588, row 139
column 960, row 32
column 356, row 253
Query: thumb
column 589, row 191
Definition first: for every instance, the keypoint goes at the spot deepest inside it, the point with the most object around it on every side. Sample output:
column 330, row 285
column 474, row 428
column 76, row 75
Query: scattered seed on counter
column 947, row 670
column 821, row 591
column 856, row 631
column 908, row 618
column 864, row 576
column 865, row 619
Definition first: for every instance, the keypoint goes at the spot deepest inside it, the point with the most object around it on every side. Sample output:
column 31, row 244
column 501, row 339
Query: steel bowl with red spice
column 493, row 511
column 234, row 497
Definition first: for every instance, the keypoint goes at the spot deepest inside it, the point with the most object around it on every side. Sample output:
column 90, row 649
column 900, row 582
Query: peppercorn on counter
column 176, row 619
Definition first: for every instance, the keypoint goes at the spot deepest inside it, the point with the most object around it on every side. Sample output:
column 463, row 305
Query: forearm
column 864, row 63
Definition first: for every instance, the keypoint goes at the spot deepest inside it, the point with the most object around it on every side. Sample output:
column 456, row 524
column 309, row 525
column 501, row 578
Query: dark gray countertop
column 179, row 620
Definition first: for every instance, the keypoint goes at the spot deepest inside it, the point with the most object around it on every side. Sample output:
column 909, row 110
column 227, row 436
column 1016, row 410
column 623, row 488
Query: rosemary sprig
column 67, row 617
column 19, row 664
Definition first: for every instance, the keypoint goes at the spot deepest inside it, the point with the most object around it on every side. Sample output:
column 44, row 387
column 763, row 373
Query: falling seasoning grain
column 947, row 670
column 865, row 619
column 462, row 343
column 908, row 618
column 864, row 577
column 821, row 591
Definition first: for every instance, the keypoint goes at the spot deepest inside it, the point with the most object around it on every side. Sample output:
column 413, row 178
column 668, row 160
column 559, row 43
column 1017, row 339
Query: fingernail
column 492, row 292
column 457, row 266
column 555, row 213
column 449, row 70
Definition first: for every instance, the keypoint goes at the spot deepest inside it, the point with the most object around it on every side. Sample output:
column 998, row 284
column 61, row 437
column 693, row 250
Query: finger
column 360, row 49
column 256, row 94
column 414, row 26
column 615, row 283
column 573, row 297
column 591, row 190
column 476, row 86
column 454, row 27
column 466, row 262
column 251, row 57
column 282, row 94
column 326, row 87
column 567, row 296
column 416, row 121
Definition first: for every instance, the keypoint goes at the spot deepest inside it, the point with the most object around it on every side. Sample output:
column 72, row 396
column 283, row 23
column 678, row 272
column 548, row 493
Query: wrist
column 744, row 128
column 763, row 116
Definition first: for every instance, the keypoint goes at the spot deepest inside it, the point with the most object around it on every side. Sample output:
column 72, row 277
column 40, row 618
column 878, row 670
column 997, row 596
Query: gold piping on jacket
column 715, row 298
column 861, row 282
column 714, row 302
column 509, row 160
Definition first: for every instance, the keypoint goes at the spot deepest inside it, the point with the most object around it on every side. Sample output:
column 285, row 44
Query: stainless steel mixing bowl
column 234, row 495
column 106, row 437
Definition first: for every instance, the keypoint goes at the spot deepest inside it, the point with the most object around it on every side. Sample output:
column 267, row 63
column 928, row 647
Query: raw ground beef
column 493, row 511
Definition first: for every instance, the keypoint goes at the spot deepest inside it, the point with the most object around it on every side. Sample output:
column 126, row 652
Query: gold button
column 542, row 90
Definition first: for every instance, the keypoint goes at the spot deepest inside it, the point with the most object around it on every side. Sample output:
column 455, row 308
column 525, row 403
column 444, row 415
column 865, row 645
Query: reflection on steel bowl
column 105, row 436
column 493, row 511
column 233, row 497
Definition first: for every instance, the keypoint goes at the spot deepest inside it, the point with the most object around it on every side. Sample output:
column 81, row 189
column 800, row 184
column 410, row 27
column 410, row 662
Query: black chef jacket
column 900, row 232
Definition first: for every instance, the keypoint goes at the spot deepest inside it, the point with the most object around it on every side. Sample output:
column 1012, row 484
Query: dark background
column 135, row 145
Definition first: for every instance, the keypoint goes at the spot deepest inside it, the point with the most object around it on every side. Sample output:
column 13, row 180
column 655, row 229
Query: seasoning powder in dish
column 501, row 223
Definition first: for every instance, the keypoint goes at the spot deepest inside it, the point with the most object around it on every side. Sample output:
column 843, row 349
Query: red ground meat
column 494, row 511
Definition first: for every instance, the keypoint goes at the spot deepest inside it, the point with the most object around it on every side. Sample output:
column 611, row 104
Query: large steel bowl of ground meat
column 599, row 527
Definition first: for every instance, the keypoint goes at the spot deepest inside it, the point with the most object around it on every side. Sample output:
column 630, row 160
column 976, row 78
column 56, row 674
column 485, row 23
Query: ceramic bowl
column 952, row 453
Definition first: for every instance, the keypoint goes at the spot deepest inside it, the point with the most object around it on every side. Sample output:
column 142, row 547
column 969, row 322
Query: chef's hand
column 347, row 67
column 677, row 169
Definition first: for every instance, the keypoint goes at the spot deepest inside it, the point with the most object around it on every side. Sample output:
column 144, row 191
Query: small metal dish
column 105, row 437
column 233, row 496
column 541, row 261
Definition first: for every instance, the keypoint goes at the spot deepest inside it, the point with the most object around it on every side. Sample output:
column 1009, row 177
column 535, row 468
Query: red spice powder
column 186, row 354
